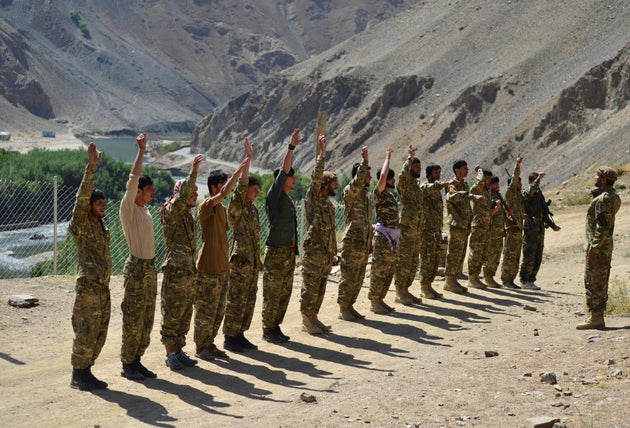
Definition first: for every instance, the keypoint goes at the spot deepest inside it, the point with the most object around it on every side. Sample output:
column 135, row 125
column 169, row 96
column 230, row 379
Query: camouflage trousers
column 277, row 285
column 493, row 253
column 90, row 320
column 354, row 258
column 478, row 249
column 210, row 294
column 177, row 295
column 430, row 243
column 138, row 307
column 456, row 253
column 533, row 245
column 408, row 257
column 511, row 254
column 241, row 296
column 596, row 277
column 383, row 267
column 315, row 270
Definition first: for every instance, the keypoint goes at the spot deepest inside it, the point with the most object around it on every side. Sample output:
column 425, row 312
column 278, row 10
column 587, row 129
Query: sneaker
column 143, row 370
column 185, row 359
column 98, row 384
column 283, row 336
column 231, row 343
column 272, row 337
column 530, row 286
column 246, row 344
column 81, row 381
column 217, row 353
column 205, row 354
column 512, row 285
column 172, row 362
column 131, row 372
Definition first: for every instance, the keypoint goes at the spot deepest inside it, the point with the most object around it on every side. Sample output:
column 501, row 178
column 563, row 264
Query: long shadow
column 442, row 323
column 392, row 328
column 326, row 354
column 188, row 394
column 533, row 296
column 366, row 344
column 482, row 307
column 228, row 383
column 10, row 359
column 140, row 408
column 288, row 363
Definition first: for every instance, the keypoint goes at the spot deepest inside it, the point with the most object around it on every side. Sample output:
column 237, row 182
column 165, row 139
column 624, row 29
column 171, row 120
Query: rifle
column 546, row 210
column 508, row 211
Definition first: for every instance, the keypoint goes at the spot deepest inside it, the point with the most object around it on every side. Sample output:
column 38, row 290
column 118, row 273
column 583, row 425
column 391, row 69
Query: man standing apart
column 536, row 220
column 357, row 238
column 281, row 247
column 245, row 263
column 386, row 238
column 213, row 263
column 320, row 242
column 179, row 268
column 410, row 218
column 600, row 226
column 92, row 304
column 431, row 228
column 513, row 229
column 140, row 275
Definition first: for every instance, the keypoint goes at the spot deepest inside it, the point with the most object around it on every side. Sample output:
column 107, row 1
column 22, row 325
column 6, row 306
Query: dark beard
column 390, row 186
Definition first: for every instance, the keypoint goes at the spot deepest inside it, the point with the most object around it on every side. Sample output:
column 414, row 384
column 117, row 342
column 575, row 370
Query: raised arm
column 382, row 181
column 288, row 157
column 141, row 141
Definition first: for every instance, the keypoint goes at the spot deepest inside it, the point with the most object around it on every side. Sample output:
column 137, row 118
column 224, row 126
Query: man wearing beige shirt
column 140, row 275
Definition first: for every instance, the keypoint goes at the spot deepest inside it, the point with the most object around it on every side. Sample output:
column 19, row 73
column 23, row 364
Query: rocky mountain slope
column 157, row 65
column 481, row 80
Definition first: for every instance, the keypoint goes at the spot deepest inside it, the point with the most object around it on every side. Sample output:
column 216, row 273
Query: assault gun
column 546, row 211
column 508, row 211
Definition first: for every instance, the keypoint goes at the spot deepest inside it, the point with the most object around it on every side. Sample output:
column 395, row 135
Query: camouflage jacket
column 514, row 200
column 90, row 235
column 600, row 219
column 458, row 205
column 320, row 217
column 410, row 197
column 243, row 217
column 179, row 228
column 481, row 211
column 497, row 220
column 533, row 205
column 432, row 206
column 386, row 208
column 357, row 212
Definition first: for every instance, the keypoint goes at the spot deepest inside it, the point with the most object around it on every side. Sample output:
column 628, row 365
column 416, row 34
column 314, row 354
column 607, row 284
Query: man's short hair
column 430, row 168
column 96, row 195
column 390, row 174
column 215, row 178
column 459, row 164
column 277, row 171
column 415, row 160
column 532, row 177
column 494, row 179
column 252, row 181
column 487, row 173
column 144, row 181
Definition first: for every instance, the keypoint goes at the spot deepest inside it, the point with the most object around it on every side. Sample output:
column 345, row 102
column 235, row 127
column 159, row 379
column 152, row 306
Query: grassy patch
column 618, row 299
column 576, row 197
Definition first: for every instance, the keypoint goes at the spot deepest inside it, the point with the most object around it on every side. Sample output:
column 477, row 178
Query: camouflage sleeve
column 431, row 188
column 238, row 203
column 454, row 194
column 313, row 193
column 358, row 182
column 476, row 188
column 82, row 205
column 180, row 203
column 405, row 181
column 603, row 222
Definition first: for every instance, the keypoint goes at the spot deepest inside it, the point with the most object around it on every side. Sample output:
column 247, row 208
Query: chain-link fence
column 34, row 221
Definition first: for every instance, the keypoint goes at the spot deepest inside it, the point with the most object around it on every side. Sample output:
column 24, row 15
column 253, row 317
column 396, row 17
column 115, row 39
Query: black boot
column 143, row 370
column 283, row 336
column 246, row 344
column 231, row 343
column 98, row 384
column 131, row 372
column 81, row 381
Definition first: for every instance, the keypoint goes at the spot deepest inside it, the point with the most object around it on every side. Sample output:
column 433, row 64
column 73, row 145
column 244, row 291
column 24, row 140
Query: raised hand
column 196, row 162
column 141, row 141
column 364, row 152
column 249, row 148
column 94, row 156
column 295, row 137
column 411, row 151
column 322, row 144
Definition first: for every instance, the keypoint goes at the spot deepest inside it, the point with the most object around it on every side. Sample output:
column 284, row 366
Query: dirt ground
column 421, row 366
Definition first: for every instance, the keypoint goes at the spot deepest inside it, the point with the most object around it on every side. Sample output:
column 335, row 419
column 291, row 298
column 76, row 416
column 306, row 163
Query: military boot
column 386, row 306
column 491, row 282
column 594, row 321
column 475, row 282
column 346, row 314
column 81, row 381
column 414, row 299
column 428, row 292
column 403, row 297
column 378, row 308
column 451, row 284
column 356, row 313
column 321, row 324
column 310, row 326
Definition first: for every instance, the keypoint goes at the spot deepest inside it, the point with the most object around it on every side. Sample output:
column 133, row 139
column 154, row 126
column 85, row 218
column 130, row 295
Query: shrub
column 618, row 299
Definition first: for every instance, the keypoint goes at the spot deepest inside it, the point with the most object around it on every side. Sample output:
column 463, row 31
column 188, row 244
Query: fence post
column 55, row 188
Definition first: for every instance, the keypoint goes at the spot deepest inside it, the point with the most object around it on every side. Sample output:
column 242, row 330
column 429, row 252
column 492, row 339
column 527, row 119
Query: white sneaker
column 530, row 286
column 511, row 284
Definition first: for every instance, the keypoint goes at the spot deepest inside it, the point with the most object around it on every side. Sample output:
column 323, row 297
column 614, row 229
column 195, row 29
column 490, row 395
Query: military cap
column 607, row 172
column 328, row 178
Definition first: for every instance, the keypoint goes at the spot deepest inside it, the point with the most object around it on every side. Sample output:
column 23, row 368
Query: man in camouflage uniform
column 410, row 217
column 179, row 270
column 536, row 219
column 320, row 242
column 140, row 274
column 213, row 263
column 600, row 227
column 386, row 238
column 431, row 232
column 458, row 199
column 496, row 235
column 479, row 226
column 513, row 229
column 357, row 238
column 92, row 303
column 245, row 263
column 281, row 247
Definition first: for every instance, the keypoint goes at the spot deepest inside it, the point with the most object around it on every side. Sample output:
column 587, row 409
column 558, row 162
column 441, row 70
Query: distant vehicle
column 5, row 136
column 49, row 134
